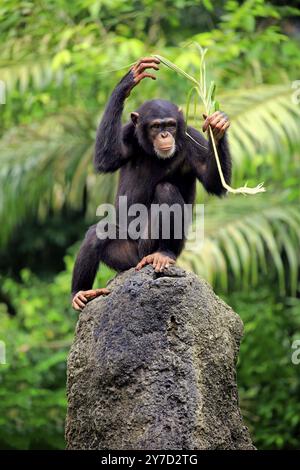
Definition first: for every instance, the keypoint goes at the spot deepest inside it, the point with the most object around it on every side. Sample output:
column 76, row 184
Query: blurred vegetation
column 59, row 61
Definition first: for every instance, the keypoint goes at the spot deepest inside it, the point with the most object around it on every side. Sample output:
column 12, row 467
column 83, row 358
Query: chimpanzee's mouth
column 165, row 152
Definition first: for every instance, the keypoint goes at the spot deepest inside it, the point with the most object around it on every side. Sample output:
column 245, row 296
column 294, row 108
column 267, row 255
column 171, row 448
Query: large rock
column 152, row 366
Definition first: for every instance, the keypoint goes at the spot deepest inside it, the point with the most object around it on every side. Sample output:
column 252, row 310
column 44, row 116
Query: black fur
column 144, row 178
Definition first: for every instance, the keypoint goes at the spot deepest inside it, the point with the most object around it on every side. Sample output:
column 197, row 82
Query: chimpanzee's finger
column 158, row 266
column 144, row 75
column 90, row 294
column 226, row 125
column 140, row 265
column 216, row 129
column 143, row 262
column 82, row 298
column 155, row 260
column 205, row 125
column 208, row 122
column 219, row 124
column 78, row 303
column 216, row 114
column 149, row 259
column 163, row 265
column 76, row 307
column 147, row 59
column 216, row 120
column 104, row 291
column 145, row 65
column 220, row 131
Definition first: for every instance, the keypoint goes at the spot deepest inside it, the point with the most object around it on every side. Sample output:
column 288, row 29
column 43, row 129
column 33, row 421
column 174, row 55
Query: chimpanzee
column 159, row 161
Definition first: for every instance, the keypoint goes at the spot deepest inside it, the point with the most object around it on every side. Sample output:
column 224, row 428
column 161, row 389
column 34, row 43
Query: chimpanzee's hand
column 138, row 72
column 219, row 123
column 143, row 64
column 159, row 261
column 83, row 296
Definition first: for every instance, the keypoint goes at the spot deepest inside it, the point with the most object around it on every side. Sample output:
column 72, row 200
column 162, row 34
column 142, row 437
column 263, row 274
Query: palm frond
column 246, row 239
column 38, row 72
column 27, row 62
column 264, row 123
column 48, row 166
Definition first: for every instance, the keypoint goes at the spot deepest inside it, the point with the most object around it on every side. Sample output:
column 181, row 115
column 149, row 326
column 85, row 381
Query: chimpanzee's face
column 162, row 134
column 159, row 128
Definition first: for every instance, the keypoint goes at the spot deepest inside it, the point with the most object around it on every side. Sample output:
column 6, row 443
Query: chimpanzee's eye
column 156, row 125
column 171, row 124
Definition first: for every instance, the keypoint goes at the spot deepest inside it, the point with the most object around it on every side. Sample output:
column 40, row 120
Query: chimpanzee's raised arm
column 112, row 150
column 201, row 155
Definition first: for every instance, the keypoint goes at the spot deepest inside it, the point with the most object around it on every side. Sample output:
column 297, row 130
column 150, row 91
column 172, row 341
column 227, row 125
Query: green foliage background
column 59, row 61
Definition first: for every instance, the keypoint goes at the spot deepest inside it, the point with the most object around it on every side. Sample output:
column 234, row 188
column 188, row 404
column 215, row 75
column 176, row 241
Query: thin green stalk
column 174, row 67
column 207, row 97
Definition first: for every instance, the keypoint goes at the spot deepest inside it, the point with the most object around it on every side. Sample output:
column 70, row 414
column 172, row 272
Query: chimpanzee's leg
column 87, row 262
column 117, row 254
column 169, row 194
column 171, row 239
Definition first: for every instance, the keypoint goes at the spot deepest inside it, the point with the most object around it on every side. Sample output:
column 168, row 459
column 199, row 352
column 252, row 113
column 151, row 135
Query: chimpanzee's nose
column 164, row 134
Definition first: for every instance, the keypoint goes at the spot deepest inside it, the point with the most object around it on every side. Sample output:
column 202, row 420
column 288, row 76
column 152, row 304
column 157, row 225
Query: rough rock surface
column 152, row 366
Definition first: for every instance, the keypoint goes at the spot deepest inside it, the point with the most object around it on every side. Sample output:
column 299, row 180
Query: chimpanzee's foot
column 84, row 296
column 158, row 260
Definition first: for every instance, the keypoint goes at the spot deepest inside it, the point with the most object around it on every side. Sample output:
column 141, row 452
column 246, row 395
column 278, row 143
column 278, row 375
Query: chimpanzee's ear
column 134, row 117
